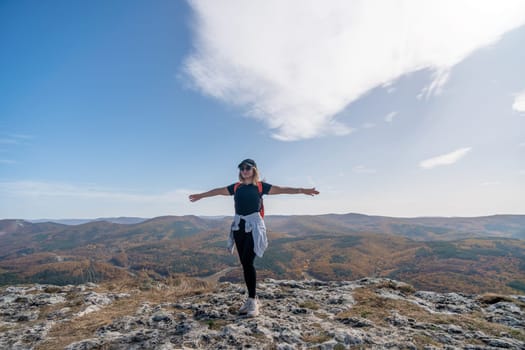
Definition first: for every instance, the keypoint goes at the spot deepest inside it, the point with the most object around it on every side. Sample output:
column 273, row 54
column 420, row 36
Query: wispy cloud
column 445, row 159
column 8, row 141
column 519, row 102
column 440, row 78
column 60, row 200
column 390, row 117
column 362, row 169
column 294, row 65
column 14, row 139
column 7, row 161
column 389, row 87
column 54, row 189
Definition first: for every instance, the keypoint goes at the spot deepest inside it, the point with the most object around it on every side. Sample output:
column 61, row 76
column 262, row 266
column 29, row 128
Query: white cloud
column 76, row 193
column 295, row 64
column 51, row 189
column 368, row 125
column 519, row 102
column 389, row 87
column 36, row 199
column 445, row 159
column 390, row 117
column 362, row 169
column 440, row 78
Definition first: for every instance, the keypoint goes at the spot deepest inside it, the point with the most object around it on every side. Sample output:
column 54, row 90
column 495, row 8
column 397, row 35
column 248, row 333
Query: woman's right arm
column 221, row 191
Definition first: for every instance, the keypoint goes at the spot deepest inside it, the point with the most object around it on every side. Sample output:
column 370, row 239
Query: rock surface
column 369, row 313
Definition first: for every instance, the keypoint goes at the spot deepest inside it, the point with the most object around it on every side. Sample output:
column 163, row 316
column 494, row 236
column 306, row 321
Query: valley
column 473, row 255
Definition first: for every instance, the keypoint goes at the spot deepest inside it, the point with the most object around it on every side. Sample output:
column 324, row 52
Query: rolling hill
column 443, row 254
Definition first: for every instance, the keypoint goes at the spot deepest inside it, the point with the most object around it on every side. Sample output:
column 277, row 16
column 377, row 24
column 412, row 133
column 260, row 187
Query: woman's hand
column 195, row 197
column 310, row 191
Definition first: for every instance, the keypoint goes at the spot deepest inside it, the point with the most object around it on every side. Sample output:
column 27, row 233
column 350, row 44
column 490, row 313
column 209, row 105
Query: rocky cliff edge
column 368, row 314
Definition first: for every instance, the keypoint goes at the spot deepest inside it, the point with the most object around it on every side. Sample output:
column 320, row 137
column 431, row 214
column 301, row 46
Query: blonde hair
column 255, row 178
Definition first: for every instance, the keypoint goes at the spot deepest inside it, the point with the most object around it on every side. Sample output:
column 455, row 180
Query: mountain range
column 478, row 254
column 421, row 228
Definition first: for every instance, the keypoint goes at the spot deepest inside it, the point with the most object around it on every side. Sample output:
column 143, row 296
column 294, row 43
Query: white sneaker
column 253, row 307
column 244, row 309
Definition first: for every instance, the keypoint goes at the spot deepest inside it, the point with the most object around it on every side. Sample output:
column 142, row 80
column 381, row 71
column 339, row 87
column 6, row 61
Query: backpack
column 260, row 188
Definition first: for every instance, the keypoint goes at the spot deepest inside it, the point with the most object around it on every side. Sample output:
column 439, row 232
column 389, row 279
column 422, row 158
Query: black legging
column 244, row 244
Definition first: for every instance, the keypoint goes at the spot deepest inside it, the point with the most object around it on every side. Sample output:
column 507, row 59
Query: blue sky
column 124, row 108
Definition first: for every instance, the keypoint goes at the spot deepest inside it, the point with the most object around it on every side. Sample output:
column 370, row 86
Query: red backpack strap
column 260, row 188
column 236, row 186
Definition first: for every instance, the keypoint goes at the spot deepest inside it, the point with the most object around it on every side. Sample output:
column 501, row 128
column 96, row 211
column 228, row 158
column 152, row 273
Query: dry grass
column 425, row 340
column 312, row 305
column 377, row 308
column 169, row 290
column 84, row 327
column 5, row 328
column 492, row 298
column 317, row 338
column 215, row 324
column 399, row 286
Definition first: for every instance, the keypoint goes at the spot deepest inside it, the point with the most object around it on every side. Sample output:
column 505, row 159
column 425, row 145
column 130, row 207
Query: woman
column 248, row 230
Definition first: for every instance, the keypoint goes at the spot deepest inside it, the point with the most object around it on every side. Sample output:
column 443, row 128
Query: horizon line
column 41, row 220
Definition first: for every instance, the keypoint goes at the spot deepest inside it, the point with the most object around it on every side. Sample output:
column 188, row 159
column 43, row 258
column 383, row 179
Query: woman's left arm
column 293, row 190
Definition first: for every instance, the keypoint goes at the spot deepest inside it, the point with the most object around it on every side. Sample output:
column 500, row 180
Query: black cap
column 248, row 162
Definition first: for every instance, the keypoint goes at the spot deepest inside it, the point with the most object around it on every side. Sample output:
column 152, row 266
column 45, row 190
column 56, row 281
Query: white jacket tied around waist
column 255, row 225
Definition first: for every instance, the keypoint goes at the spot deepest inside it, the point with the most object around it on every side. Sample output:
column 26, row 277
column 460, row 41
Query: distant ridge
column 417, row 228
column 119, row 220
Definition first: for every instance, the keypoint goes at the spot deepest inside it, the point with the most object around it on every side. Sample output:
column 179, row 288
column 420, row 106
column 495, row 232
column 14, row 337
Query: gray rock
column 508, row 320
column 294, row 315
column 397, row 320
column 162, row 317
column 183, row 328
column 348, row 336
column 94, row 298
column 453, row 329
column 519, row 298
column 505, row 307
column 26, row 316
column 86, row 344
column 506, row 313
column 505, row 343
column 47, row 299
column 356, row 322
column 61, row 314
